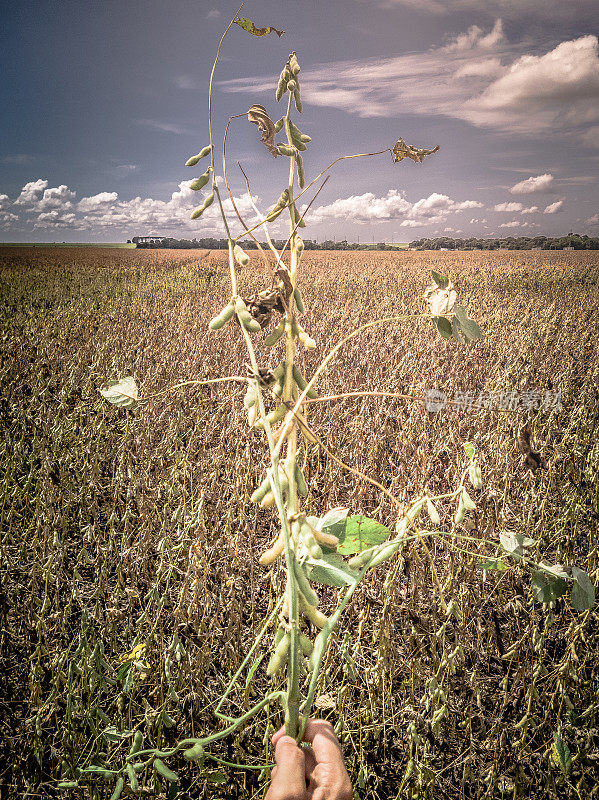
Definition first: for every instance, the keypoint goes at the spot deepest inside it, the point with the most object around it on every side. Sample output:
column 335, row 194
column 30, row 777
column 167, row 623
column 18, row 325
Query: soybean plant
column 337, row 548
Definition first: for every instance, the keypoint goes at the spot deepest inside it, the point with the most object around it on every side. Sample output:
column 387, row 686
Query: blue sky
column 103, row 103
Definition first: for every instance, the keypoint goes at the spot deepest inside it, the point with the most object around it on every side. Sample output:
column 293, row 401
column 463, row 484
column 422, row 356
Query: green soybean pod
column 312, row 545
column 200, row 182
column 195, row 753
column 293, row 64
column 296, row 97
column 306, row 645
column 475, row 475
column 249, row 323
column 300, row 482
column 292, row 85
column 222, row 317
column 198, row 212
column 305, row 138
column 262, row 490
column 191, row 162
column 209, row 200
column 274, row 336
column 272, row 215
column 302, row 383
column 133, row 782
column 279, row 657
column 118, row 788
column 384, row 554
column 279, row 124
column 360, row 560
column 67, row 785
column 303, row 584
column 298, row 219
column 136, row 744
column 285, row 149
column 460, row 513
column 301, row 175
column 163, row 770
column 298, row 299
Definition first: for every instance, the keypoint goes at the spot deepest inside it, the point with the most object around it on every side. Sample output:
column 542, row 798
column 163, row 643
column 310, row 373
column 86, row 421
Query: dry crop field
column 134, row 527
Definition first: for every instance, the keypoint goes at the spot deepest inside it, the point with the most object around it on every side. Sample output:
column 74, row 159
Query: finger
column 276, row 736
column 309, row 761
column 320, row 734
column 289, row 776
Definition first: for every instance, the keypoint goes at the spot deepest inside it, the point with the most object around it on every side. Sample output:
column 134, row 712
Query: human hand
column 309, row 773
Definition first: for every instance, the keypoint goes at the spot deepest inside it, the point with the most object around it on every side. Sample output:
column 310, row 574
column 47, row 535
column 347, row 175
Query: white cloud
column 538, row 183
column 513, row 224
column 594, row 220
column 508, row 207
column 530, row 210
column 477, row 77
column 214, row 13
column 165, row 127
column 553, row 208
column 369, row 208
column 58, row 197
column 3, row 199
column 97, row 202
column 509, row 8
column 184, row 81
column 30, row 192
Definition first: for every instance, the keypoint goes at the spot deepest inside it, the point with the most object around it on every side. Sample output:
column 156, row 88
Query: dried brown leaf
column 249, row 26
column 402, row 150
column 532, row 459
column 259, row 116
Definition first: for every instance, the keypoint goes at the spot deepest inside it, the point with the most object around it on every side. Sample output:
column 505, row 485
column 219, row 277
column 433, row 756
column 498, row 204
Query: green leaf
column 357, row 533
column 469, row 450
column 249, row 26
column 332, row 517
column 252, row 670
column 494, row 564
column 514, row 543
column 123, row 393
column 215, row 777
column 468, row 327
column 441, row 281
column 560, row 754
column 330, row 570
column 444, row 327
column 546, row 588
column 583, row 591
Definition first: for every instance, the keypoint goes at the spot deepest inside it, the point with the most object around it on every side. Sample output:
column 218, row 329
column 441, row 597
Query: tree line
column 573, row 240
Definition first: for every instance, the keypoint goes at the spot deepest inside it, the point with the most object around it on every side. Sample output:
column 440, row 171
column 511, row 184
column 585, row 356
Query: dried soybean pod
column 302, row 383
column 432, row 512
column 132, row 777
column 223, row 317
column 261, row 491
column 300, row 482
column 274, row 336
column 241, row 256
column 475, row 474
column 163, row 770
column 200, row 182
column 250, row 396
column 118, row 788
column 194, row 753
